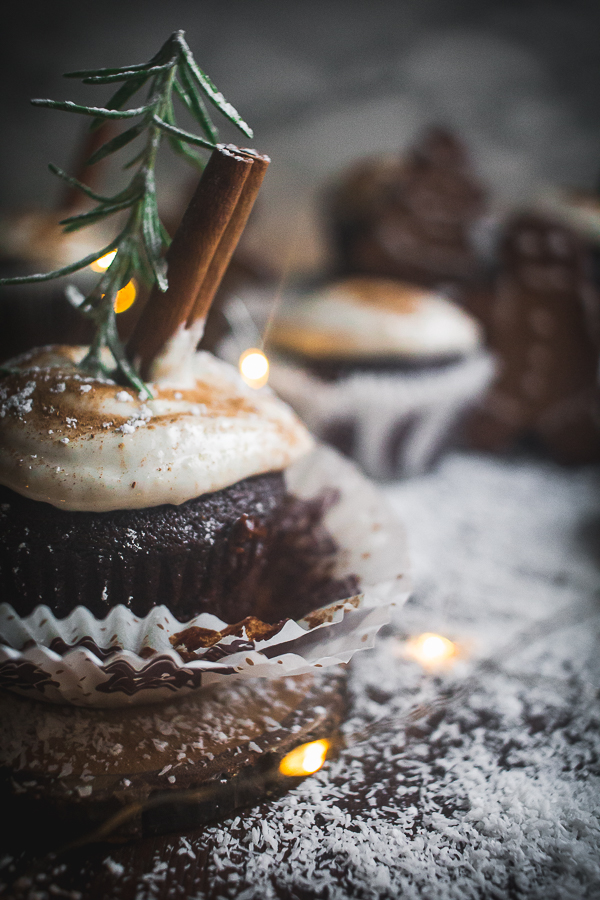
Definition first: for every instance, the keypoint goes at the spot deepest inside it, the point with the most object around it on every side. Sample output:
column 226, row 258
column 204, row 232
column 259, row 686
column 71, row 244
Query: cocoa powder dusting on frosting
column 79, row 442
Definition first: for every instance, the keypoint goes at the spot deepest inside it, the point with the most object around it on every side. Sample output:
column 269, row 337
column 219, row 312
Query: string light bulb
column 305, row 759
column 125, row 297
column 102, row 264
column 254, row 367
column 431, row 650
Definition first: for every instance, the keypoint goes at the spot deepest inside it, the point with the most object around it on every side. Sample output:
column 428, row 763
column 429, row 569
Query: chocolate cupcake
column 150, row 543
column 384, row 370
column 109, row 499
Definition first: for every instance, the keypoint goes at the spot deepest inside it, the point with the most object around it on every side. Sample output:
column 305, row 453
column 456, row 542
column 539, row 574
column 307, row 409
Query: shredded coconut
column 114, row 868
column 480, row 781
column 494, row 789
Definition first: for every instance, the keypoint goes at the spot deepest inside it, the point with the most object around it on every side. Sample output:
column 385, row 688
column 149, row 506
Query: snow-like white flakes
column 21, row 402
column 114, row 867
column 185, row 848
column 141, row 417
column 482, row 781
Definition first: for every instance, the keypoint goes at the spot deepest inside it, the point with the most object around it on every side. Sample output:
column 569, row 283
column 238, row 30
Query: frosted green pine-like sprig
column 141, row 243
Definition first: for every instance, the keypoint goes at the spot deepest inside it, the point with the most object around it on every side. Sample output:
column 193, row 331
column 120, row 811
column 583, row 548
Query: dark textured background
column 324, row 82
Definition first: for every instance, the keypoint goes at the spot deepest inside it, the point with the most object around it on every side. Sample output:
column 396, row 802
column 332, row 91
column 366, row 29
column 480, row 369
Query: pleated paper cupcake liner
column 393, row 424
column 125, row 659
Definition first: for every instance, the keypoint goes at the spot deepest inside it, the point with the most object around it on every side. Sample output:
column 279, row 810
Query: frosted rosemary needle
column 143, row 240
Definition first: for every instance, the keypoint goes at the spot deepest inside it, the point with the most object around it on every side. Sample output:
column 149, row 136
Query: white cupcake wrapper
column 72, row 660
column 427, row 405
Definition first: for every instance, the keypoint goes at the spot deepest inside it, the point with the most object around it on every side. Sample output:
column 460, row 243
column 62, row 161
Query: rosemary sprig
column 141, row 244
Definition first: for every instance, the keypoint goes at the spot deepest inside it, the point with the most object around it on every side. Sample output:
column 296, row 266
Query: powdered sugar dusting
column 205, row 432
column 20, row 402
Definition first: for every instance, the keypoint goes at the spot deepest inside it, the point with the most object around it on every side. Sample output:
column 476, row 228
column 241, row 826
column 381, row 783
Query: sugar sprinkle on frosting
column 90, row 438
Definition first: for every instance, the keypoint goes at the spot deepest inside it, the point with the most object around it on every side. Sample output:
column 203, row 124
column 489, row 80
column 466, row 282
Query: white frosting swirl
column 81, row 443
column 365, row 317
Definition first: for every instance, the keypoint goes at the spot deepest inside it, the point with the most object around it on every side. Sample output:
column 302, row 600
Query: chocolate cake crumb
column 249, row 549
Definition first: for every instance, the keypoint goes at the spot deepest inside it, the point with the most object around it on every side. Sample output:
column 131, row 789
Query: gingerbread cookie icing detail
column 547, row 387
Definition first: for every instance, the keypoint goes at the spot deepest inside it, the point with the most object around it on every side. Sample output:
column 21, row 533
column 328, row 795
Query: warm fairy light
column 102, row 264
column 254, row 368
column 125, row 297
column 431, row 650
column 305, row 759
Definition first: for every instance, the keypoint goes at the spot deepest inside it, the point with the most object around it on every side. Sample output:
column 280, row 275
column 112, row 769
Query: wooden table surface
column 478, row 780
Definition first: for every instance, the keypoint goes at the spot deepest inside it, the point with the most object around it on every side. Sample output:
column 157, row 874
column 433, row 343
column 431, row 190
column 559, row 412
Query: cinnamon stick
column 231, row 236
column 190, row 255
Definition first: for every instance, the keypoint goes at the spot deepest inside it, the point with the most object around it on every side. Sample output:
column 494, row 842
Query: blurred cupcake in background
column 440, row 321
column 577, row 209
column 33, row 241
column 383, row 370
column 386, row 356
column 375, row 323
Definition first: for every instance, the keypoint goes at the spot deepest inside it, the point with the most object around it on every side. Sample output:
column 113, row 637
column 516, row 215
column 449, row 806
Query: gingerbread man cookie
column 542, row 333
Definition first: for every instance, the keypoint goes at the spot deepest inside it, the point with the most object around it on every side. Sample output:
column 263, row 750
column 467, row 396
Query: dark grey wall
column 323, row 82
